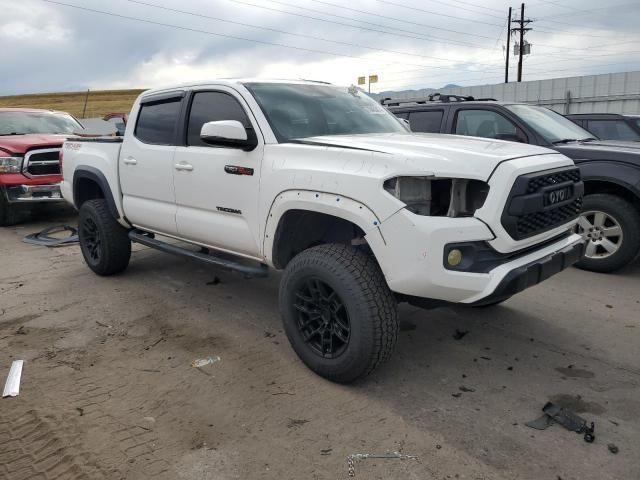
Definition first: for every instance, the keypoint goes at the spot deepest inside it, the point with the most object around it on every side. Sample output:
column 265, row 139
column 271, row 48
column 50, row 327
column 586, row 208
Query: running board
column 139, row 236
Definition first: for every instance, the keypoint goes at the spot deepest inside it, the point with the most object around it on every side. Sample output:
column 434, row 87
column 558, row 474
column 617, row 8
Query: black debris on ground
column 459, row 334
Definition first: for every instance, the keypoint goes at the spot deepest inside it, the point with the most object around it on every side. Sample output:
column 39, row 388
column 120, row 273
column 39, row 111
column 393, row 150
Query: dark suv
column 610, row 170
column 609, row 126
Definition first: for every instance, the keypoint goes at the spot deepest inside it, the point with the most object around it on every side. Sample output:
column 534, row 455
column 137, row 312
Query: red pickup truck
column 30, row 142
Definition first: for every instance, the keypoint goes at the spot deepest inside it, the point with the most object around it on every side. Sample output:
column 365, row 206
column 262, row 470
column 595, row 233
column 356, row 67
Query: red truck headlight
column 10, row 164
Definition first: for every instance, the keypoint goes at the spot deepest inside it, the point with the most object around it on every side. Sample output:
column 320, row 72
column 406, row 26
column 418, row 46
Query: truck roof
column 232, row 82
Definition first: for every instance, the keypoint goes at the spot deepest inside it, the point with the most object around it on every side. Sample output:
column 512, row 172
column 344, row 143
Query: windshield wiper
column 565, row 140
column 589, row 139
column 13, row 133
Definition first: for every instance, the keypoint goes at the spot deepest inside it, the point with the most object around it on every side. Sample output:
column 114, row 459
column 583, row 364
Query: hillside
column 99, row 102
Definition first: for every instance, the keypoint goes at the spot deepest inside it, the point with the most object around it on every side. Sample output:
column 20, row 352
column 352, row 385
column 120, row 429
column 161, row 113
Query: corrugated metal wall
column 607, row 93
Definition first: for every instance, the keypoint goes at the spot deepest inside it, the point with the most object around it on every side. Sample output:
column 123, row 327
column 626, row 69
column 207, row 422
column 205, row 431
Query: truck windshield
column 304, row 110
column 22, row 123
column 553, row 127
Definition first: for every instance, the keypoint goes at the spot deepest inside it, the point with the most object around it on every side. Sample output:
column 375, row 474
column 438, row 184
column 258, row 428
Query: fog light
column 454, row 258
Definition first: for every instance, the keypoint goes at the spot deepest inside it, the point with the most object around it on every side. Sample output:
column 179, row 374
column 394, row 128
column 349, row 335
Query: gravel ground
column 108, row 391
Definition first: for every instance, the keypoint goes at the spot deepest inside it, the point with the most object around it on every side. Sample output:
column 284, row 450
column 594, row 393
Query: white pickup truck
column 322, row 182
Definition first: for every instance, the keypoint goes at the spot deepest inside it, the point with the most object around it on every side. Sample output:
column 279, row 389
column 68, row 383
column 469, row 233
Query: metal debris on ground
column 459, row 334
column 45, row 237
column 351, row 459
column 571, row 421
column 203, row 362
column 12, row 385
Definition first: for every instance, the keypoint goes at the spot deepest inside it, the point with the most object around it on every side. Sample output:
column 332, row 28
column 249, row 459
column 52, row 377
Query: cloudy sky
column 70, row 45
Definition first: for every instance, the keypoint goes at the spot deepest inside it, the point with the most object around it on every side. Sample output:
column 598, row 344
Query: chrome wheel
column 602, row 232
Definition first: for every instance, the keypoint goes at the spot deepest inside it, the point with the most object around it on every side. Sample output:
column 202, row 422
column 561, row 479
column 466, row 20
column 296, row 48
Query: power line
column 406, row 21
column 431, row 12
column 587, row 11
column 420, row 37
column 367, row 13
column 208, row 17
column 234, row 37
column 457, row 7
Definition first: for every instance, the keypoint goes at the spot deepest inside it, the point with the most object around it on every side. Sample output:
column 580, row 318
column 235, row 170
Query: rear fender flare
column 95, row 175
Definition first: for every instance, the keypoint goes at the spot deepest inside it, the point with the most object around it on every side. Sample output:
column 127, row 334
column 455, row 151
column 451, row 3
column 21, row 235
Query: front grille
column 528, row 213
column 537, row 183
column 42, row 162
column 533, row 223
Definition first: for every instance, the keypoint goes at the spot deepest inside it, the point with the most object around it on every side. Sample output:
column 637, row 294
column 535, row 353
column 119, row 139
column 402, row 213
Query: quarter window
column 212, row 107
column 157, row 122
column 426, row 122
column 484, row 123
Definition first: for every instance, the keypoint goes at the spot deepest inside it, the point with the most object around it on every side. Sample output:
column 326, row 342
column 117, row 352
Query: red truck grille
column 42, row 162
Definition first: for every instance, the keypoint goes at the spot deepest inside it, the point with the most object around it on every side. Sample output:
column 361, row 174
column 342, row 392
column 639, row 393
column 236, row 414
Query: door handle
column 183, row 166
column 130, row 161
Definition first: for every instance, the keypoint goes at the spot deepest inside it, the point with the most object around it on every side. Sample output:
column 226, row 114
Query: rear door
column 146, row 164
column 217, row 188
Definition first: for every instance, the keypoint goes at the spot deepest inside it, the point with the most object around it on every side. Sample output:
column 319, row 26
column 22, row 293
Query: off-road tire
column 356, row 278
column 8, row 213
column 96, row 225
column 629, row 219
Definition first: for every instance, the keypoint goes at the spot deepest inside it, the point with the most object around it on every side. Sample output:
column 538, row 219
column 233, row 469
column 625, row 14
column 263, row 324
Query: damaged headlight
column 444, row 197
column 10, row 164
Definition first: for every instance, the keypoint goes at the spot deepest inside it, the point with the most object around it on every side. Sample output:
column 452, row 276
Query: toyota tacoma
column 324, row 183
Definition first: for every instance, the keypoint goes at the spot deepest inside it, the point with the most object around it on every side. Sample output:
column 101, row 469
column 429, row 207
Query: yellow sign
column 373, row 78
column 362, row 80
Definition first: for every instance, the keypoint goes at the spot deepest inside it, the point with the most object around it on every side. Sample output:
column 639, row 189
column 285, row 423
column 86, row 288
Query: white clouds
column 49, row 48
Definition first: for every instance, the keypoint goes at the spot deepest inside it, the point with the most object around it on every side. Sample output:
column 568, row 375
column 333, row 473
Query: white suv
column 322, row 182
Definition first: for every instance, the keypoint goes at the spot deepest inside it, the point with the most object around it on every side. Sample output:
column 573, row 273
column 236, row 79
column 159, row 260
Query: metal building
column 606, row 93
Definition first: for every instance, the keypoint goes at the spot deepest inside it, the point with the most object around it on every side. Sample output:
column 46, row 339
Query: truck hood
column 20, row 144
column 626, row 152
column 476, row 157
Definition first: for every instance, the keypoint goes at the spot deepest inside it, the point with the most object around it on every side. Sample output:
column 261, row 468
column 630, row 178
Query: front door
column 217, row 188
column 146, row 165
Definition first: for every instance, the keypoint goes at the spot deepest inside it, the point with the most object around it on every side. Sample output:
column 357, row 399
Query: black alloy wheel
column 322, row 319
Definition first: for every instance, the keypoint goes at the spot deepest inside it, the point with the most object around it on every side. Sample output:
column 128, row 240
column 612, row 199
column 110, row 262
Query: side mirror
column 227, row 133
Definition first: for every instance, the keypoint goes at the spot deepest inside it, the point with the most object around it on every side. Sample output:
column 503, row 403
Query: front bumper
column 34, row 193
column 411, row 259
column 533, row 273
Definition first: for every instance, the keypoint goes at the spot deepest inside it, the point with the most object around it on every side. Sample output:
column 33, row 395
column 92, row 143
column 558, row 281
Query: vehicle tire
column 8, row 213
column 611, row 227
column 338, row 312
column 104, row 242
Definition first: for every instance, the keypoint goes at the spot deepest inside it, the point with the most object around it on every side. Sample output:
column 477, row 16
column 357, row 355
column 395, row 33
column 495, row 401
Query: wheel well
column 86, row 189
column 302, row 229
column 600, row 186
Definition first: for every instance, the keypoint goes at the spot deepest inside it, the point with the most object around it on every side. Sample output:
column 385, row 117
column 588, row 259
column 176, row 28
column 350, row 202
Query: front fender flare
column 328, row 203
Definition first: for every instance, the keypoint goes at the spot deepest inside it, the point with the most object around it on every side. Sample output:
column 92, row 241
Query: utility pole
column 508, row 53
column 84, row 110
column 522, row 29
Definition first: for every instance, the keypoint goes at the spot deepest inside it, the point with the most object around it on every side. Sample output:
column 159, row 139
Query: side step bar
column 139, row 236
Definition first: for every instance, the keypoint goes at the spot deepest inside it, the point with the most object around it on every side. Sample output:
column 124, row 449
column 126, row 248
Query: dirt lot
column 108, row 391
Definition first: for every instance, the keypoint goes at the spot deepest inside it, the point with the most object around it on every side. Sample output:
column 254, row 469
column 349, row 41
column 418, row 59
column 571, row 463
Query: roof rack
column 434, row 97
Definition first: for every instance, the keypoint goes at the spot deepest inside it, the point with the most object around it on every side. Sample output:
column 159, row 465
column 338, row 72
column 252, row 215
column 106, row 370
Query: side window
column 212, row 107
column 484, row 123
column 157, row 122
column 426, row 122
column 404, row 115
column 612, row 130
